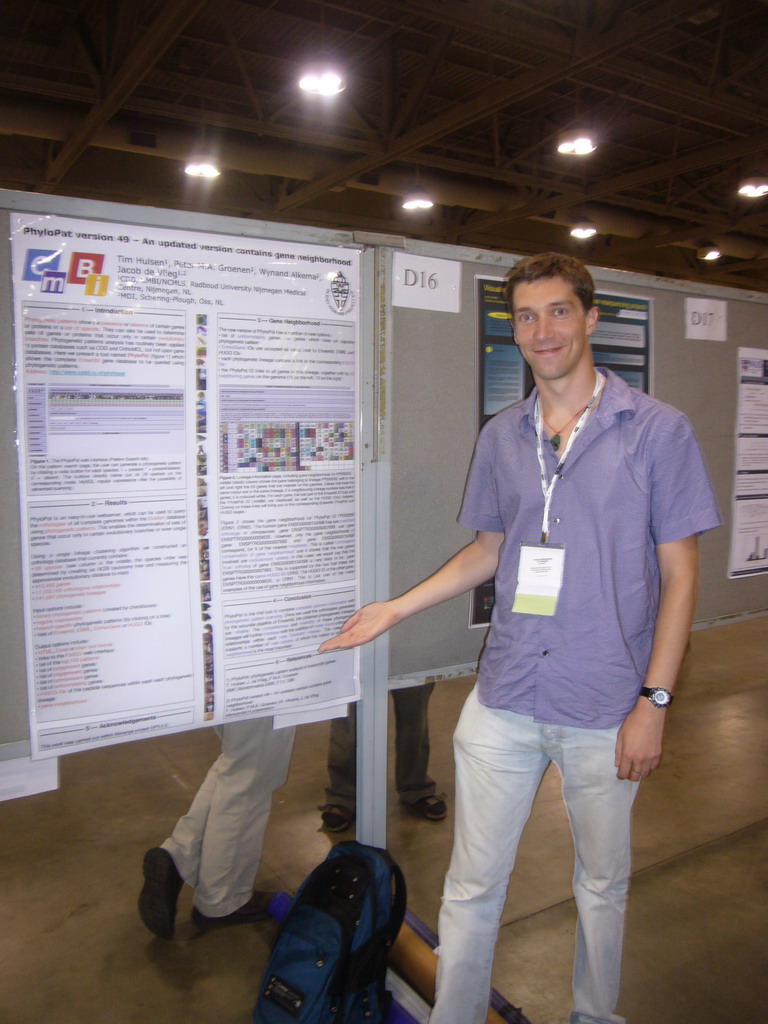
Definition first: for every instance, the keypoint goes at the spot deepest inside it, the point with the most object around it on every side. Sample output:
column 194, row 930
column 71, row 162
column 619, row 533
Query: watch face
column 660, row 698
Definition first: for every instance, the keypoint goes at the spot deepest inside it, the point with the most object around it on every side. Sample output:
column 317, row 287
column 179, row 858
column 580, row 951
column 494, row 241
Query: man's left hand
column 638, row 745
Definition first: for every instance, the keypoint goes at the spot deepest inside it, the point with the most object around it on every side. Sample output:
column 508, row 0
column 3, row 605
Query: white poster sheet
column 188, row 454
column 749, row 536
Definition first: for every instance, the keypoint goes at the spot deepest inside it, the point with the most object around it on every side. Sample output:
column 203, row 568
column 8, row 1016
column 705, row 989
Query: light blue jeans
column 500, row 760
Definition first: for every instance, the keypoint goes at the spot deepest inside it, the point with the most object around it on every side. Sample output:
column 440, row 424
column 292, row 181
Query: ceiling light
column 322, row 81
column 754, row 187
column 708, row 251
column 418, row 199
column 583, row 228
column 202, row 169
column 576, row 143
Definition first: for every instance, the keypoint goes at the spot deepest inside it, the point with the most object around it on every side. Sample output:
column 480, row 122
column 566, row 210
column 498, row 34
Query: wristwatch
column 657, row 695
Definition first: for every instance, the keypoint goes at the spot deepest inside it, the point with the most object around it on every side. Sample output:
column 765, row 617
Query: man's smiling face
column 552, row 328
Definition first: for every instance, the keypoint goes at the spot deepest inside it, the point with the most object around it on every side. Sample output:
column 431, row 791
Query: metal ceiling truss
column 468, row 97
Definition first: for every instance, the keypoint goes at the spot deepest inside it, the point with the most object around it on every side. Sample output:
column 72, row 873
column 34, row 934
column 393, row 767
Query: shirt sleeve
column 683, row 501
column 480, row 507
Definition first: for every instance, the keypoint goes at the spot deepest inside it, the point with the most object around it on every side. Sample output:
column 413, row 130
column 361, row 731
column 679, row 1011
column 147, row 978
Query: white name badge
column 539, row 579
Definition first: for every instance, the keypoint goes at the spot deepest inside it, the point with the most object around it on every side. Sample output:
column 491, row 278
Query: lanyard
column 548, row 489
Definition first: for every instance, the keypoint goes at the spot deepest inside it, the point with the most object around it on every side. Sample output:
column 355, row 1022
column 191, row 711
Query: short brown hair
column 551, row 264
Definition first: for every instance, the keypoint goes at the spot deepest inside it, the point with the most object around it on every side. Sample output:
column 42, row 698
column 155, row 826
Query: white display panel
column 188, row 410
column 749, row 532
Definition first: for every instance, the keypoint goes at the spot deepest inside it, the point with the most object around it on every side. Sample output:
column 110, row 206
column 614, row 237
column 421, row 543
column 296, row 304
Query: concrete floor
column 73, row 951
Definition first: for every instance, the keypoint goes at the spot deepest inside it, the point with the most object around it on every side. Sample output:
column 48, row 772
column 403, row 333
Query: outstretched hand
column 366, row 624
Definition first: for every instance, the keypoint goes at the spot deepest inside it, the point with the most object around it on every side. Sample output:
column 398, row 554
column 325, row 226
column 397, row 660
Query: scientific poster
column 504, row 377
column 187, row 410
column 749, row 536
column 621, row 340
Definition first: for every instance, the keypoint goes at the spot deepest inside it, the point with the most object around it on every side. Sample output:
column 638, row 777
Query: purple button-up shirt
column 634, row 478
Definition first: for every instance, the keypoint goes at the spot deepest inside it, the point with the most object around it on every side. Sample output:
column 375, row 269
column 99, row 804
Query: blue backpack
column 329, row 962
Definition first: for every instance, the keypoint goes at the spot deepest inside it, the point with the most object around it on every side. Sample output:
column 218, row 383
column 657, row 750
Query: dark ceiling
column 466, row 98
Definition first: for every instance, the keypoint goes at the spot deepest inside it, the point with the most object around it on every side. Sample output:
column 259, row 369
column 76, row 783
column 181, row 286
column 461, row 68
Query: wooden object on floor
column 415, row 961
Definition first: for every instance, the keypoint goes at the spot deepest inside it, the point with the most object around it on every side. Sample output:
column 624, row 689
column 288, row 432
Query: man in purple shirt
column 587, row 499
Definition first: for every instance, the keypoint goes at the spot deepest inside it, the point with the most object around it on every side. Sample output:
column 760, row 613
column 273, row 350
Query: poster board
column 749, row 533
column 189, row 417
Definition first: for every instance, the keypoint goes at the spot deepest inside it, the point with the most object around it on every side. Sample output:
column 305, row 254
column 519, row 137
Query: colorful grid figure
column 325, row 442
column 265, row 447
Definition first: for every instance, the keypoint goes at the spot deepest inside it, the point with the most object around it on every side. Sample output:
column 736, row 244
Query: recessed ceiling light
column 754, row 187
column 708, row 251
column 418, row 199
column 576, row 143
column 322, row 81
column 583, row 228
column 202, row 169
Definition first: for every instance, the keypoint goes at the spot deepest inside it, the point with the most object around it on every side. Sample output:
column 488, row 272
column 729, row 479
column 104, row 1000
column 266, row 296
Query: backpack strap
column 398, row 900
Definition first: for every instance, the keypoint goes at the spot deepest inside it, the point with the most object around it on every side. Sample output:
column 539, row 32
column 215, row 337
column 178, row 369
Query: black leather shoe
column 158, row 898
column 336, row 818
column 256, row 909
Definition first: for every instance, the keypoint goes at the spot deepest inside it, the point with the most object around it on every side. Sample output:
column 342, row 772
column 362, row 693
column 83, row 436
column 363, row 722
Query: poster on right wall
column 749, row 536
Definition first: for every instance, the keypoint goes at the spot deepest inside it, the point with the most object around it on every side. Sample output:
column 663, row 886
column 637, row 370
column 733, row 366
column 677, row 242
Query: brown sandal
column 430, row 807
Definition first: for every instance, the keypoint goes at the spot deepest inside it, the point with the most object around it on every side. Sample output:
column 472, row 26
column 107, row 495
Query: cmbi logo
column 85, row 268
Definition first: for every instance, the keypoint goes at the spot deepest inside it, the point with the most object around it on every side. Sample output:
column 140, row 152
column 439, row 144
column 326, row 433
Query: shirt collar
column 617, row 397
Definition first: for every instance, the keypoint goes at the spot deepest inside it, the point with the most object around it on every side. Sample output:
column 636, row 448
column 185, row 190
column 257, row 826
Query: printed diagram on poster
column 188, row 452
column 749, row 536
